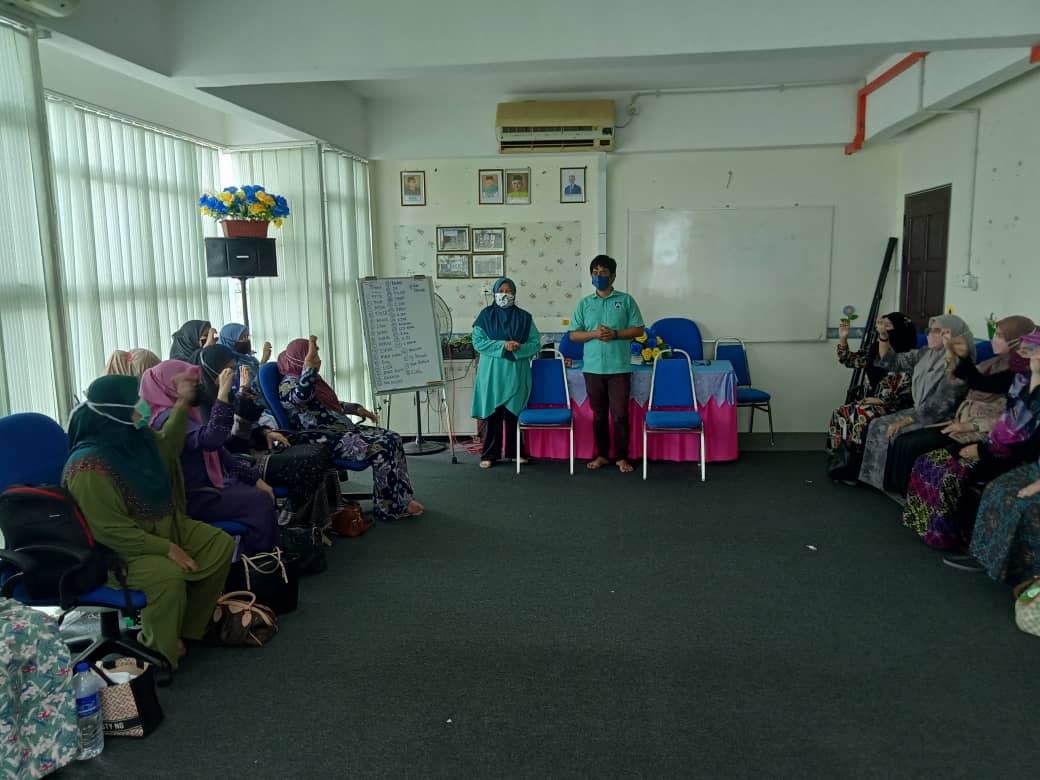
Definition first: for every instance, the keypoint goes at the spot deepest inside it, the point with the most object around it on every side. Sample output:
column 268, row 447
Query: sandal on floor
column 963, row 562
column 486, row 464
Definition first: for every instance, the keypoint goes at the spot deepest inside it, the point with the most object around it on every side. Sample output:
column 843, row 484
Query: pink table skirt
column 720, row 436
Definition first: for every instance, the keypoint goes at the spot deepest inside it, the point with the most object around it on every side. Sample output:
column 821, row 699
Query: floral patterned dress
column 1006, row 539
column 382, row 448
column 849, row 422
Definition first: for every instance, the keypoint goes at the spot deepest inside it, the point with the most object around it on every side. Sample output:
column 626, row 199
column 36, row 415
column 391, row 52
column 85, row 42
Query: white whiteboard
column 760, row 274
column 401, row 338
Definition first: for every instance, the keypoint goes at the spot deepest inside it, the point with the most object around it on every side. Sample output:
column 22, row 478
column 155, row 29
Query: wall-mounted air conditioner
column 555, row 126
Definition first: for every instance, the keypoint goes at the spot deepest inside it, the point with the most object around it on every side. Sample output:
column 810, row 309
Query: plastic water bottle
column 87, row 686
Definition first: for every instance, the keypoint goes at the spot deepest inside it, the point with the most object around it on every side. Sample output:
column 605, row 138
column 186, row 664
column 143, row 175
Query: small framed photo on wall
column 518, row 186
column 453, row 239
column 490, row 183
column 413, row 188
column 489, row 239
column 489, row 266
column 572, row 185
column 450, row 266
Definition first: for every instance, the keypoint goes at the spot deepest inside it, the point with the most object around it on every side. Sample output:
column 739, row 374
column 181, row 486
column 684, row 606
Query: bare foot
column 414, row 508
column 182, row 649
column 486, row 464
column 598, row 463
column 625, row 467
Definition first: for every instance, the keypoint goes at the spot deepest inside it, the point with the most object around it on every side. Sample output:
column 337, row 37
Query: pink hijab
column 159, row 389
column 290, row 363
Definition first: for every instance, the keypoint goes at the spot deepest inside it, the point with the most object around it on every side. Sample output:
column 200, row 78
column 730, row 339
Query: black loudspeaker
column 241, row 257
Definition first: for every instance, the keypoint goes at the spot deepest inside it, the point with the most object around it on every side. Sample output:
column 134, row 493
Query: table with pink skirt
column 715, row 383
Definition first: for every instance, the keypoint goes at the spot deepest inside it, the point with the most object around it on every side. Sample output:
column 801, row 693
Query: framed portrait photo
column 489, row 266
column 452, row 266
column 489, row 239
column 413, row 188
column 518, row 186
column 453, row 239
column 489, row 182
column 572, row 185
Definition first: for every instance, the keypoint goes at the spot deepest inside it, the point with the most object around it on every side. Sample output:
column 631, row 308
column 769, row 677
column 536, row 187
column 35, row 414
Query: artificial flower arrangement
column 649, row 346
column 250, row 202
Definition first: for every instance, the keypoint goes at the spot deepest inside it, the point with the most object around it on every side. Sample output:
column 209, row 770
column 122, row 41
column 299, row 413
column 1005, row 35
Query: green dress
column 501, row 381
column 180, row 603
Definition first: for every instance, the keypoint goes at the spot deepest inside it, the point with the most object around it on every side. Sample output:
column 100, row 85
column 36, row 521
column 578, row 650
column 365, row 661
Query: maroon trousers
column 609, row 393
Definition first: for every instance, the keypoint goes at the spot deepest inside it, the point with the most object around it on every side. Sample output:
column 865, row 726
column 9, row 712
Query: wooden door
column 926, row 223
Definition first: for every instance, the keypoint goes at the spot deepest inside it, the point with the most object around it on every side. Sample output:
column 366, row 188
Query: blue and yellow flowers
column 250, row 201
column 649, row 346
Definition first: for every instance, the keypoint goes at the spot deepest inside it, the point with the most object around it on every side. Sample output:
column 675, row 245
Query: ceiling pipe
column 861, row 97
column 1034, row 55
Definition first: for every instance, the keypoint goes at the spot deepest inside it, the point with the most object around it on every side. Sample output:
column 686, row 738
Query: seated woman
column 884, row 393
column 989, row 383
column 314, row 409
column 189, row 341
column 506, row 338
column 127, row 481
column 1006, row 540
column 935, row 392
column 219, row 486
column 132, row 363
column 934, row 502
column 235, row 337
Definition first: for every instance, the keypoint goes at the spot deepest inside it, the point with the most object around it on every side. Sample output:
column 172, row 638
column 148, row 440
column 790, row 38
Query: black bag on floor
column 843, row 464
column 306, row 544
column 273, row 577
column 129, row 709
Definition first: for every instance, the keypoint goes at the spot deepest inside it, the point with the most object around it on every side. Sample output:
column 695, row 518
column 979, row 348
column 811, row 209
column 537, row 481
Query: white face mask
column 505, row 300
column 141, row 407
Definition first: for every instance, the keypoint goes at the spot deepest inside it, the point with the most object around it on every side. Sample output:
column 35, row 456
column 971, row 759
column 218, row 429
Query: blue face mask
column 601, row 283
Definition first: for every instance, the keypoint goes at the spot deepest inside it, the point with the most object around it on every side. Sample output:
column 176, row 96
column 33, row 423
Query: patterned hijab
column 290, row 363
column 1013, row 329
column 115, row 447
column 186, row 341
column 930, row 370
column 132, row 363
column 159, row 389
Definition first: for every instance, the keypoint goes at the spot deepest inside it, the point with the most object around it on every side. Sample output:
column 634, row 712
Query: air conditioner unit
column 52, row 9
column 555, row 126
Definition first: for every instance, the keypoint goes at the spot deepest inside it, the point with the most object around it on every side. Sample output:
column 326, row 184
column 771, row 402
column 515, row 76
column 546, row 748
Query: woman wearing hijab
column 219, row 485
column 935, row 393
column 935, row 506
column 506, row 338
column 235, row 337
column 132, row 363
column 317, row 414
column 126, row 479
column 989, row 383
column 884, row 393
column 189, row 341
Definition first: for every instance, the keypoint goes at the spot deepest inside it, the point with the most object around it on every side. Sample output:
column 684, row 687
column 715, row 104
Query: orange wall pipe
column 1034, row 55
column 861, row 97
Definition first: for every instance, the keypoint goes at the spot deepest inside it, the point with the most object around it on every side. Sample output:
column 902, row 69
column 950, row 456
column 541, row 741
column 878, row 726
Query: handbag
column 128, row 709
column 305, row 542
column 1027, row 606
column 273, row 577
column 349, row 521
column 238, row 621
column 843, row 463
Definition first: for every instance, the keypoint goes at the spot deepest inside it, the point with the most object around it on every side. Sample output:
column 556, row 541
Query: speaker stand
column 420, row 446
column 245, row 300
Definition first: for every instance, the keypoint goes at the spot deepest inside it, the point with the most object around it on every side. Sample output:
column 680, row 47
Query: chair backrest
column 571, row 349
column 983, row 350
column 681, row 333
column 671, row 383
column 269, row 380
column 733, row 350
column 549, row 382
column 922, row 339
column 34, row 450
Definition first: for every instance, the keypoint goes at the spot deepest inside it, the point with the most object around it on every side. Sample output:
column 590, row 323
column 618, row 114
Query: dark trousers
column 906, row 449
column 493, row 435
column 609, row 393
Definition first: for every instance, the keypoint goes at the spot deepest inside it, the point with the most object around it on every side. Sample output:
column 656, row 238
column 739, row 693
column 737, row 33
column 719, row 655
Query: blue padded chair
column 549, row 392
column 672, row 406
column 750, row 397
column 681, row 333
column 34, row 453
column 574, row 350
column 983, row 347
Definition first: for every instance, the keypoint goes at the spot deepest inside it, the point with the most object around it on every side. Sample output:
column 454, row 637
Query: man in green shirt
column 606, row 322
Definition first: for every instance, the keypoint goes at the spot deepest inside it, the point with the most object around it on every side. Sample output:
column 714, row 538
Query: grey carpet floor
column 766, row 623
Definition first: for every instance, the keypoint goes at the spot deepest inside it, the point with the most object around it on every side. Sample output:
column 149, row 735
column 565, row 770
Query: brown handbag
column 238, row 621
column 349, row 521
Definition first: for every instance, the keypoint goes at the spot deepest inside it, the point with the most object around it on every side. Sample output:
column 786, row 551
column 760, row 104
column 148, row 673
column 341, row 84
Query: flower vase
column 244, row 228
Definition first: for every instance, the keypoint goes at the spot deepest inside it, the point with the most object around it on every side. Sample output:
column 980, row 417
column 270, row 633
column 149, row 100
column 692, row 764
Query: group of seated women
column 160, row 450
column 936, row 431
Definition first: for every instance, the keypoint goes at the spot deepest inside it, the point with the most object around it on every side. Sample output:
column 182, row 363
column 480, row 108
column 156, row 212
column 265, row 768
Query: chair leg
column 645, row 457
column 751, row 419
column 704, row 455
column 518, row 447
column 572, row 448
column 769, row 411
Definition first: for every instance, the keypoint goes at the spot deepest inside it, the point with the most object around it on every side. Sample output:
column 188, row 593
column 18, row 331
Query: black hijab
column 902, row 338
column 212, row 360
column 186, row 341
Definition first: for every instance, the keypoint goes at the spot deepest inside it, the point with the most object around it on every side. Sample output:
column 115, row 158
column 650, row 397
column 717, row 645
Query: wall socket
column 968, row 281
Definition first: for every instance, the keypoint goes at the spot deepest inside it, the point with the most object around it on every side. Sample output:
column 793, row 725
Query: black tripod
column 869, row 331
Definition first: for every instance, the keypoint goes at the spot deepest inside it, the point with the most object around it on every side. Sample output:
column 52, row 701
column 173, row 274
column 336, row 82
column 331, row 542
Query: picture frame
column 489, row 266
column 489, row 239
column 453, row 266
column 489, row 187
column 413, row 188
column 572, row 185
column 453, row 239
column 518, row 186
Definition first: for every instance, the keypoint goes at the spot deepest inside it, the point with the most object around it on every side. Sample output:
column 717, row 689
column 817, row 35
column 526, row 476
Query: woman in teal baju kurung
column 506, row 338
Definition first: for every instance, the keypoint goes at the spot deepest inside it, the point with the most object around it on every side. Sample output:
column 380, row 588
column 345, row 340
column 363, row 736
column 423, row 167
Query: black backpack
column 48, row 515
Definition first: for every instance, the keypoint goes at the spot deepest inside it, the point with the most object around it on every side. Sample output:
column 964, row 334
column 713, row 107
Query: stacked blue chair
column 749, row 397
column 574, row 350
column 549, row 407
column 672, row 406
column 681, row 333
